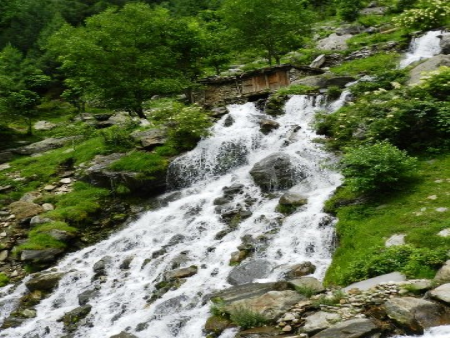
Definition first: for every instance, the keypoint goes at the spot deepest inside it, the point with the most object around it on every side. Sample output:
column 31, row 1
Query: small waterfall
column 421, row 48
column 434, row 332
column 184, row 233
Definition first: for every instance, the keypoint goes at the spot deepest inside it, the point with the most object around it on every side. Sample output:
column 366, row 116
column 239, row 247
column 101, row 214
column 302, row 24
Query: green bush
column 428, row 14
column 4, row 280
column 348, row 9
column 117, row 138
column 437, row 83
column 247, row 319
column 381, row 166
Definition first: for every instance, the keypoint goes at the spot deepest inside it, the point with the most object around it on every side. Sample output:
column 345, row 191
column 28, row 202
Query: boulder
column 61, row 235
column 349, row 29
column 320, row 321
column 276, row 172
column 395, row 240
column 445, row 43
column 73, row 318
column 307, row 282
column 267, row 126
column 271, row 305
column 216, row 325
column 41, row 256
column 325, row 81
column 44, row 125
column 318, row 61
column 262, row 332
column 300, row 270
column 373, row 11
column 429, row 65
column 372, row 282
column 171, row 306
column 24, row 210
column 415, row 314
column 86, row 296
column 181, row 273
column 150, row 138
column 354, row 328
column 30, row 196
column 443, row 274
column 245, row 291
column 441, row 293
column 45, row 145
column 123, row 335
column 334, row 42
column 43, row 282
column 248, row 272
column 99, row 174
column 293, row 199
column 6, row 156
column 36, row 220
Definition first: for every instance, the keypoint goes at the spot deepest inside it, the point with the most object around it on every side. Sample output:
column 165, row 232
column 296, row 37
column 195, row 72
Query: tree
column 277, row 26
column 125, row 56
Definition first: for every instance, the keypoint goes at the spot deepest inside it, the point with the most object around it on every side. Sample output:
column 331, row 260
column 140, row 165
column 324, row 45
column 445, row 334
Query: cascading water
column 421, row 48
column 183, row 234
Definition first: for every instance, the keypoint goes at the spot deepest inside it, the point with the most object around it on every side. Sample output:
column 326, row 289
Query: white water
column 421, row 48
column 120, row 304
column 435, row 332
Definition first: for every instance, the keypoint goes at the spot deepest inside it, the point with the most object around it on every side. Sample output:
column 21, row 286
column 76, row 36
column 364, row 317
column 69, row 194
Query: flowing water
column 186, row 227
column 423, row 47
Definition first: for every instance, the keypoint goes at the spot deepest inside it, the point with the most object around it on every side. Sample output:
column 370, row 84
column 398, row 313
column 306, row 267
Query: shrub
column 348, row 9
column 381, row 166
column 117, row 138
column 437, row 83
column 428, row 14
column 247, row 318
column 4, row 280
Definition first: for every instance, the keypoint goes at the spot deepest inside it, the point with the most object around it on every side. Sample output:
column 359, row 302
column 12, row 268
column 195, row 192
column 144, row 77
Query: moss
column 40, row 241
column 4, row 280
column 148, row 164
column 370, row 65
column 286, row 209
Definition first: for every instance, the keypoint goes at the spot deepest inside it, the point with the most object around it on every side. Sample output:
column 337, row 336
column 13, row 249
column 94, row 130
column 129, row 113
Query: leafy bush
column 428, row 14
column 186, row 125
column 377, row 167
column 247, row 319
column 4, row 280
column 348, row 9
column 414, row 262
column 437, row 83
column 117, row 138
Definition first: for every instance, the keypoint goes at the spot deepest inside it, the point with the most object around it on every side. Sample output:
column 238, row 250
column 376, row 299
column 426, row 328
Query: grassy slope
column 364, row 228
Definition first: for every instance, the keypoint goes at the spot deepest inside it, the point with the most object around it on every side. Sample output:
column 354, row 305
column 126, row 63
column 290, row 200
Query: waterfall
column 434, row 332
column 421, row 48
column 183, row 233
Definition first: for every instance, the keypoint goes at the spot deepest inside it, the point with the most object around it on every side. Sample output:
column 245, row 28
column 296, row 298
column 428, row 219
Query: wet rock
column 275, row 105
column 441, row 293
column 445, row 43
column 267, row 126
column 39, row 220
column 300, row 270
column 216, row 325
column 334, row 42
column 276, row 172
column 86, row 296
column 245, row 291
column 25, row 210
column 172, row 305
column 354, row 328
column 248, row 272
column 125, row 265
column 443, row 274
column 176, row 239
column 415, row 314
column 45, row 145
column 181, row 273
column 293, row 199
column 72, row 319
column 151, row 138
column 320, row 321
column 238, row 256
column 100, row 267
column 429, row 65
column 271, row 305
column 40, row 256
column 44, row 282
column 228, row 121
column 123, row 335
column 219, row 111
column 233, row 190
column 372, row 282
column 310, row 283
column 44, row 125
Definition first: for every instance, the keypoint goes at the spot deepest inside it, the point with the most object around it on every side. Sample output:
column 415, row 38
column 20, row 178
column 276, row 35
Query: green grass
column 147, row 164
column 4, row 280
column 247, row 318
column 306, row 291
column 373, row 64
column 366, row 39
column 296, row 90
column 364, row 228
column 57, row 225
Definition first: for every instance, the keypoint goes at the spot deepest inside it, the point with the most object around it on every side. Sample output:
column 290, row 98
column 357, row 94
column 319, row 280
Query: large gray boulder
column 248, row 272
column 320, row 321
column 372, row 282
column 40, row 256
column 325, row 81
column 245, row 291
column 25, row 210
column 276, row 172
column 445, row 43
column 354, row 328
column 310, row 283
column 123, row 335
column 271, row 305
column 443, row 274
column 44, row 125
column 334, row 42
column 150, row 138
column 415, row 314
column 430, row 65
column 181, row 273
column 45, row 145
column 43, row 282
column 441, row 293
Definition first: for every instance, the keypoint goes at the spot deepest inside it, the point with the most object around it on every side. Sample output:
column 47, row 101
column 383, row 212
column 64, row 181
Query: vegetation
column 4, row 280
column 247, row 318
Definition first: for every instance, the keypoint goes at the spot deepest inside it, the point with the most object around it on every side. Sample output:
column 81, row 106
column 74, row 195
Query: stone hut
column 249, row 86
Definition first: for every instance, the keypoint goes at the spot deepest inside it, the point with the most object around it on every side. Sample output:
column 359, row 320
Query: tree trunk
column 140, row 112
column 30, row 128
column 277, row 59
